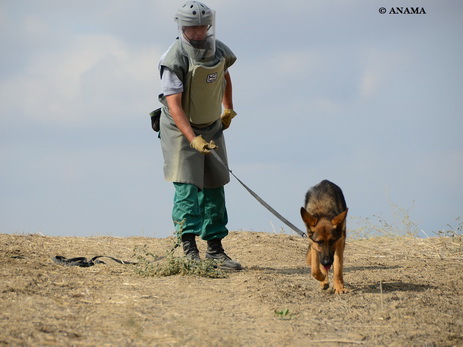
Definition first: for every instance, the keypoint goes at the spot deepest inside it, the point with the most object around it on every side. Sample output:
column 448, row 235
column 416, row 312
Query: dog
column 325, row 215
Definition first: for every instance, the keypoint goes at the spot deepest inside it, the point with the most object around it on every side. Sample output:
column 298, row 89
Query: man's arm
column 174, row 102
column 228, row 95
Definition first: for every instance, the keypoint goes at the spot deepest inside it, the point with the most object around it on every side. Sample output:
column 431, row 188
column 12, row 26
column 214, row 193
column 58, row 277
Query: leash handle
column 258, row 198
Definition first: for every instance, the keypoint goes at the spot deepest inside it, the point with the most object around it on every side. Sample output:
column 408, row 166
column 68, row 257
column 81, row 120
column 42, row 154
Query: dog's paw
column 324, row 285
column 341, row 290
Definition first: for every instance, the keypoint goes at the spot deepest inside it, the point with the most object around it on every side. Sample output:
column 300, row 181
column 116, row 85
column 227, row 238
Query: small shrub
column 149, row 264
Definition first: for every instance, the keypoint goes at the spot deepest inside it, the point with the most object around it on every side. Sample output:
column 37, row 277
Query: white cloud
column 62, row 86
column 380, row 65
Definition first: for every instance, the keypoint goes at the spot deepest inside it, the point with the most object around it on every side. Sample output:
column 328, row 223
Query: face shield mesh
column 198, row 42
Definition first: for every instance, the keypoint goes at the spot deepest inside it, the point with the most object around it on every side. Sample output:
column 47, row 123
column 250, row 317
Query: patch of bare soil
column 403, row 292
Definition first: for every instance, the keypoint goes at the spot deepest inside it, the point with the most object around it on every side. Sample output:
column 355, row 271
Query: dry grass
column 403, row 291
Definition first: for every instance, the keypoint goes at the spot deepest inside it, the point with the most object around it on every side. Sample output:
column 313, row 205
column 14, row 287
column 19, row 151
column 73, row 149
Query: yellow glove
column 227, row 117
column 201, row 145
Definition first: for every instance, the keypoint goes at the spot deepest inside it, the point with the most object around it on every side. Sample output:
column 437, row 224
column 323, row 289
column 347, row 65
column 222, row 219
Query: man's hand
column 227, row 117
column 201, row 145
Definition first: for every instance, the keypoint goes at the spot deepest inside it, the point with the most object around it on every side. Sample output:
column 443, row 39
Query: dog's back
column 325, row 200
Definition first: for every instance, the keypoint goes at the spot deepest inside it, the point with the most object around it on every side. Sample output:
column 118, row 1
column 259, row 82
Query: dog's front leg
column 338, row 281
column 318, row 271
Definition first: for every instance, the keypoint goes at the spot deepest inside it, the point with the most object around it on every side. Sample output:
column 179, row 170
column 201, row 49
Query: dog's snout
column 326, row 261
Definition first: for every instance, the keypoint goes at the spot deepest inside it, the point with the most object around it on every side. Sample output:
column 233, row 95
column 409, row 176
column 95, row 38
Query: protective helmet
column 193, row 13
column 196, row 14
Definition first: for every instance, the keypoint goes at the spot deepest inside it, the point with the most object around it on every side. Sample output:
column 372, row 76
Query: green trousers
column 200, row 212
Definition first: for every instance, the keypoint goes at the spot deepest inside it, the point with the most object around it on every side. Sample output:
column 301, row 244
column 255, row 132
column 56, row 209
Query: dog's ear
column 308, row 219
column 339, row 219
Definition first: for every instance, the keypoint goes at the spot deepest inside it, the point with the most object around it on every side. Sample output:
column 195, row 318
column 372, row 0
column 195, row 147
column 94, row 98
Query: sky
column 323, row 90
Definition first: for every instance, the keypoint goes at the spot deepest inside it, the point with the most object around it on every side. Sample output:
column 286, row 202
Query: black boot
column 189, row 247
column 215, row 252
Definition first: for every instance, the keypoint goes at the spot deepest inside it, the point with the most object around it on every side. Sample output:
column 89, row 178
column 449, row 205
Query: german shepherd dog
column 325, row 218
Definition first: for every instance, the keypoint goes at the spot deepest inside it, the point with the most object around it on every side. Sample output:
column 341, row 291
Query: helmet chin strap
column 199, row 44
column 206, row 48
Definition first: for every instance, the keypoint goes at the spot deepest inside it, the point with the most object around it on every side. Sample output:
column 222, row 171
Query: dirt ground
column 403, row 292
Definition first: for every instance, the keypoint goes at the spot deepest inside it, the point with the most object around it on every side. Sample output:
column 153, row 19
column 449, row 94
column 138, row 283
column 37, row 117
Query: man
column 196, row 85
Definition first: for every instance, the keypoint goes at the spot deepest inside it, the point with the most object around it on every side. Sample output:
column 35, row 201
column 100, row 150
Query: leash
column 83, row 262
column 258, row 198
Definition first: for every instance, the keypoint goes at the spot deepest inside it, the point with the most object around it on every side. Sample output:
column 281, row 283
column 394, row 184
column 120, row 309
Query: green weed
column 283, row 314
